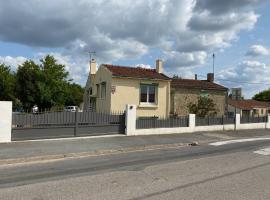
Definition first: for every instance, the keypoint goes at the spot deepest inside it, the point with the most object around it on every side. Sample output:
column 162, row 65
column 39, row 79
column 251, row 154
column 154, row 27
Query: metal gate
column 28, row 126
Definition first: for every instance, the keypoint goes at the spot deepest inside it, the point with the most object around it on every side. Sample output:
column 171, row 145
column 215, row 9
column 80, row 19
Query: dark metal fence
column 147, row 123
column 65, row 124
column 253, row 119
column 208, row 121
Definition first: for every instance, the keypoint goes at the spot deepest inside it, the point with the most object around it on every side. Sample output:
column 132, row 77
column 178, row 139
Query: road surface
column 225, row 171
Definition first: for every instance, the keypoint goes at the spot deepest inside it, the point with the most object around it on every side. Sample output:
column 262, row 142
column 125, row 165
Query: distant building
column 248, row 107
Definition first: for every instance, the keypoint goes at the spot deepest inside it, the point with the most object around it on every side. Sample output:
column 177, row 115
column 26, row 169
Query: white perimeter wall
column 131, row 125
column 5, row 121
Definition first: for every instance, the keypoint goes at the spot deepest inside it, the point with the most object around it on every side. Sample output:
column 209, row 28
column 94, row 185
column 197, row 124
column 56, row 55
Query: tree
column 7, row 83
column 74, row 95
column 204, row 107
column 53, row 83
column 263, row 96
column 27, row 84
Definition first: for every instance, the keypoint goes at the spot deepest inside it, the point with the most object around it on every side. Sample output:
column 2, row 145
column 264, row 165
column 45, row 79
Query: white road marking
column 264, row 152
column 238, row 141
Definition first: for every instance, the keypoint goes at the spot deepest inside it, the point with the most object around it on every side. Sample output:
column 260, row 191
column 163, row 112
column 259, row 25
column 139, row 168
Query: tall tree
column 53, row 83
column 74, row 95
column 7, row 83
column 263, row 96
column 27, row 84
column 204, row 107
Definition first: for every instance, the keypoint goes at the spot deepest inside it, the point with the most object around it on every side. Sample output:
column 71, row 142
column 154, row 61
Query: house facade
column 187, row 91
column 248, row 108
column 111, row 87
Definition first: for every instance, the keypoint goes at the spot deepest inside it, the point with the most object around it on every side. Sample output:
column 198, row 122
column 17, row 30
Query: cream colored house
column 111, row 87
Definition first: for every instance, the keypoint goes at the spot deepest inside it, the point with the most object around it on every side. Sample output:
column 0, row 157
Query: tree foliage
column 7, row 83
column 263, row 96
column 45, row 84
column 203, row 107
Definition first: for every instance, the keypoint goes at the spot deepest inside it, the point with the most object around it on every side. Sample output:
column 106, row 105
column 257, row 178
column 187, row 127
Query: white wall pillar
column 5, row 121
column 237, row 121
column 131, row 116
column 268, row 122
column 192, row 121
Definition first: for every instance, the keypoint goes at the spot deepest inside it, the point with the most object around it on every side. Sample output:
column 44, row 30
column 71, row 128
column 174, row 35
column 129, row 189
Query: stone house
column 111, row 87
column 248, row 108
column 186, row 91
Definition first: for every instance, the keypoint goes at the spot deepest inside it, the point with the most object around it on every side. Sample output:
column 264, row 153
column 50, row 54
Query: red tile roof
column 196, row 84
column 135, row 72
column 248, row 104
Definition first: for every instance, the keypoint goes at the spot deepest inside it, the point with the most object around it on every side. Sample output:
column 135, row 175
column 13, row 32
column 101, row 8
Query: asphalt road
column 231, row 171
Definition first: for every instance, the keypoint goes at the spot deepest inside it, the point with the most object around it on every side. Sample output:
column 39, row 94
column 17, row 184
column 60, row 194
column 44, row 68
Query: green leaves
column 46, row 84
column 7, row 83
column 263, row 96
column 204, row 107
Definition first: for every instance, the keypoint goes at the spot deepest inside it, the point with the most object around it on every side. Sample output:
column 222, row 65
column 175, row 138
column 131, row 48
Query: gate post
column 5, row 121
column 192, row 122
column 268, row 122
column 237, row 121
column 130, row 119
column 76, row 123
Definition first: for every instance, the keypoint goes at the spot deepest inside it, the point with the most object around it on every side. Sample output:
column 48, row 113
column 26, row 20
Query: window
column 103, row 90
column 148, row 94
column 98, row 91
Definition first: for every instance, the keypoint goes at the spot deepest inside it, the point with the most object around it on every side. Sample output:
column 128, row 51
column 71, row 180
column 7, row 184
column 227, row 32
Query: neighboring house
column 248, row 107
column 186, row 91
column 112, row 87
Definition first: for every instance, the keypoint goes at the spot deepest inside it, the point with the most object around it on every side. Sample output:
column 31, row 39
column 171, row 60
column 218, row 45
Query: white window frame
column 147, row 93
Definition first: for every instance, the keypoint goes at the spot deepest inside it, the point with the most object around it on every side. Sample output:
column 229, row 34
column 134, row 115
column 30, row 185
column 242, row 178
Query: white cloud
column 13, row 62
column 183, row 31
column 252, row 76
column 257, row 50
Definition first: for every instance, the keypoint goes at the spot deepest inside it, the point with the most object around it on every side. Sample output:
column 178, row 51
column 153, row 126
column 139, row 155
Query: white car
column 71, row 108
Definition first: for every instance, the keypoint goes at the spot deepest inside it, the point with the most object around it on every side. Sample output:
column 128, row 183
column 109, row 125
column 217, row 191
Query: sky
column 183, row 33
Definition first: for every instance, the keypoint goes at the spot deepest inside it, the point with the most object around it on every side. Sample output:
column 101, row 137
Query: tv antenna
column 214, row 62
column 91, row 54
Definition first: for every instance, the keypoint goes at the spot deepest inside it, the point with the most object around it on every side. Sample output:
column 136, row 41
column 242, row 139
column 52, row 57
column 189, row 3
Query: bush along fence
column 191, row 123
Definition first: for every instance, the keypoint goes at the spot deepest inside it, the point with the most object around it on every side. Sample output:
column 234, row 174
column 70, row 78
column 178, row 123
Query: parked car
column 71, row 108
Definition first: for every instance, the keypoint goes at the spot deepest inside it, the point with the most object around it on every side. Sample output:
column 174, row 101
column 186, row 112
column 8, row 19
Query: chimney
column 196, row 77
column 93, row 66
column 159, row 66
column 210, row 77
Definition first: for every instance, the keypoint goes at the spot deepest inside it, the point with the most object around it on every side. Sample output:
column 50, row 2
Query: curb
column 51, row 158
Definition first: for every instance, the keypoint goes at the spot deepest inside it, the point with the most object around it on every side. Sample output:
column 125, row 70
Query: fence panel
column 253, row 119
column 147, row 123
column 65, row 124
column 210, row 121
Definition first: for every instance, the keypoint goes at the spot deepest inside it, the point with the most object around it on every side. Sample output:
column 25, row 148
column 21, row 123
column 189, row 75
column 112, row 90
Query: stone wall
column 182, row 97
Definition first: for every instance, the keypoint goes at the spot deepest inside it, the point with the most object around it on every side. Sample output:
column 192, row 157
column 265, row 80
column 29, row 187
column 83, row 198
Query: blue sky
column 183, row 33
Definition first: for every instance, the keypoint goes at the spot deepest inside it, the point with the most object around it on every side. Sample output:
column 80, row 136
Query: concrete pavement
column 34, row 151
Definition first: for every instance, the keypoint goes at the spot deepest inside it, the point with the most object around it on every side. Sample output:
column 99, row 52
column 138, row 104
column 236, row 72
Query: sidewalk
column 33, row 151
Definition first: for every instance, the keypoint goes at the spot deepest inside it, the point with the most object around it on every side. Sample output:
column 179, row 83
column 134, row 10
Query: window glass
column 98, row 92
column 143, row 93
column 152, row 94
